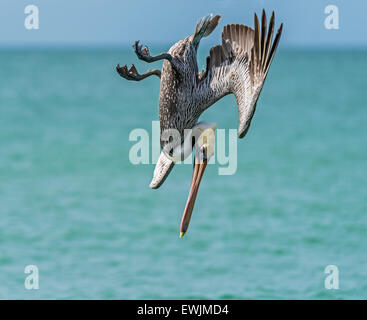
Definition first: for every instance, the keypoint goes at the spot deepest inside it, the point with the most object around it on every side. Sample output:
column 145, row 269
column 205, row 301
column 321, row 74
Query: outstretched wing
column 240, row 66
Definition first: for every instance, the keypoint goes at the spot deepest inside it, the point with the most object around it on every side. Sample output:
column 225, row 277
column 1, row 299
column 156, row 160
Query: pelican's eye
column 204, row 152
column 193, row 141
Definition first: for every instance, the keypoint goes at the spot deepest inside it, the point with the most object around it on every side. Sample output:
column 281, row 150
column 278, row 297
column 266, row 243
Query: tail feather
column 205, row 27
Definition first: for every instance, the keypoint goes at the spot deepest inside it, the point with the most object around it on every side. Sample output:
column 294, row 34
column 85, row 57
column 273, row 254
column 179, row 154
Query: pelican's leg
column 145, row 56
column 132, row 73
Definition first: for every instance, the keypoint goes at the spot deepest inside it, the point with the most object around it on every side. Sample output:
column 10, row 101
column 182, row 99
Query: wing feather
column 240, row 66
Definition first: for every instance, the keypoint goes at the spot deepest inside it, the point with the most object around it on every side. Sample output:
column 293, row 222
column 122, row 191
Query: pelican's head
column 200, row 136
column 204, row 136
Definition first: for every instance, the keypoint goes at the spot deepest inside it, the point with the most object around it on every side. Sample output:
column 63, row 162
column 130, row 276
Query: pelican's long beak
column 204, row 149
column 199, row 168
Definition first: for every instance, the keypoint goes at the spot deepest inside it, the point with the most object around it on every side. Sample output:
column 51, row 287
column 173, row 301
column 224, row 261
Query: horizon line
column 114, row 46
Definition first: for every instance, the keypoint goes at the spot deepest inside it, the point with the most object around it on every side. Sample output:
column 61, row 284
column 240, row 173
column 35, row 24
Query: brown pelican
column 238, row 66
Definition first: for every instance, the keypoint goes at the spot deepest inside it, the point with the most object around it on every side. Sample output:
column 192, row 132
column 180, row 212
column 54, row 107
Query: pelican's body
column 238, row 66
column 178, row 105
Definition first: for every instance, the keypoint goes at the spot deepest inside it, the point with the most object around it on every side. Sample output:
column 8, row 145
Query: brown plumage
column 238, row 66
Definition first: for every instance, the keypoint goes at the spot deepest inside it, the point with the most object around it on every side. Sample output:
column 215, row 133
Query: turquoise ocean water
column 72, row 204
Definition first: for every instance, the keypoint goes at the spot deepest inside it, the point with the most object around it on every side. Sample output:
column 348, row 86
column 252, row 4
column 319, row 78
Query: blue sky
column 120, row 22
